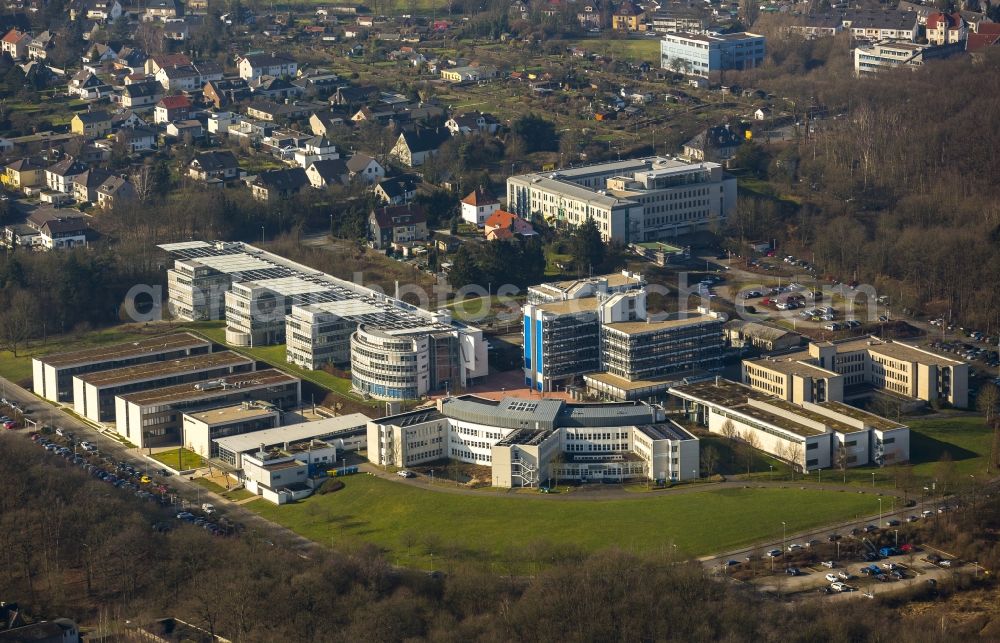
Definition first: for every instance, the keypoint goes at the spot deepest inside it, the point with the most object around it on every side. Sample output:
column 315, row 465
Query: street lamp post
column 897, row 537
column 880, row 511
column 432, row 476
column 838, row 550
column 873, row 479
column 783, row 530
column 770, row 473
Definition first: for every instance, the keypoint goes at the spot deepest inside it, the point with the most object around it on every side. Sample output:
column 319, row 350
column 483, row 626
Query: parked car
column 832, row 578
column 845, row 575
column 828, row 564
column 794, row 547
column 793, row 571
column 774, row 553
column 406, row 474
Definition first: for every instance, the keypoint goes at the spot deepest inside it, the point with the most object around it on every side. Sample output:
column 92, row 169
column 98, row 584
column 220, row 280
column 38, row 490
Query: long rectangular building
column 155, row 418
column 529, row 443
column 267, row 299
column 94, row 393
column 647, row 199
column 808, row 435
column 53, row 374
column 701, row 54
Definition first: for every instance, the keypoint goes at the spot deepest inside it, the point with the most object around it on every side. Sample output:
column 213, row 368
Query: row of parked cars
column 969, row 352
column 125, row 476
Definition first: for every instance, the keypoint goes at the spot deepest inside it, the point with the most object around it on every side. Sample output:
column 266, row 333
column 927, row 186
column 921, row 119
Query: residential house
column 15, row 44
column 270, row 111
column 59, row 176
column 875, row 25
column 274, row 88
column 272, row 185
column 762, row 114
column 922, row 10
column 155, row 63
column 185, row 129
column 398, row 189
column 171, row 108
column 322, row 123
column 57, row 231
column 20, row 235
column 188, row 77
column 101, row 52
column 317, row 148
column 86, row 183
column 628, row 17
column 322, row 174
column 818, row 25
column 468, row 73
column 472, row 122
column 889, row 54
column 162, row 10
column 94, row 124
column 413, row 147
column 179, row 29
column 216, row 164
column 364, row 168
column 101, row 11
column 353, row 95
column 114, row 191
column 132, row 59
column 226, row 91
column 136, row 139
column 946, row 29
column 87, row 86
column 253, row 66
column 396, row 224
column 986, row 35
column 716, row 144
column 126, row 118
column 220, row 122
column 24, row 173
column 506, row 225
column 478, row 206
column 141, row 94
column 38, row 48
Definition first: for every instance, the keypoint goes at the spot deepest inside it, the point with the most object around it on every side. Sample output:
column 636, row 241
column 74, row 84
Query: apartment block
column 808, row 435
column 52, row 375
column 155, row 418
column 633, row 201
column 94, row 393
column 701, row 54
column 827, row 371
column 530, row 443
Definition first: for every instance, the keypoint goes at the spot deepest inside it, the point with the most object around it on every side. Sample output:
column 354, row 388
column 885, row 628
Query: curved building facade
column 391, row 365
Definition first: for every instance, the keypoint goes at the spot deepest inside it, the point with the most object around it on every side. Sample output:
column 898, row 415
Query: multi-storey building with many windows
column 632, row 201
column 529, row 443
column 267, row 299
column 827, row 370
column 702, row 54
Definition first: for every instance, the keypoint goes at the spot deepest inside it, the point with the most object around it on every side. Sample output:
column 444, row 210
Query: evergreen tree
column 587, row 248
column 464, row 269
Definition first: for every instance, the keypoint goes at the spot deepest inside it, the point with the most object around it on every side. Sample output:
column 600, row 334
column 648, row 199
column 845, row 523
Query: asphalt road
column 44, row 412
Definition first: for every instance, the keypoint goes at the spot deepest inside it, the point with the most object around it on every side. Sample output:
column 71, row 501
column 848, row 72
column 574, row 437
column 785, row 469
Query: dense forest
column 895, row 186
column 72, row 546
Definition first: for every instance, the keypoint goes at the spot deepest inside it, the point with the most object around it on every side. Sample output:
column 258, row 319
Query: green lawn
column 18, row 369
column 426, row 528
column 634, row 49
column 275, row 356
column 188, row 459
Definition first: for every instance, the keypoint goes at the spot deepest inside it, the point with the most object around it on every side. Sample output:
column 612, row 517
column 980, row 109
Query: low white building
column 808, row 436
column 478, row 206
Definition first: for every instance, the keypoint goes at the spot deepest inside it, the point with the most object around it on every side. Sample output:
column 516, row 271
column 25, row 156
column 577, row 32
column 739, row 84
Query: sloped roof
column 978, row 41
column 358, row 162
column 287, row 180
column 91, row 178
column 93, row 117
column 15, row 36
column 939, row 19
column 142, row 89
column 425, row 140
column 215, row 160
column 174, row 102
column 480, row 196
column 393, row 215
column 400, row 185
column 273, row 58
column 330, row 169
column 67, row 167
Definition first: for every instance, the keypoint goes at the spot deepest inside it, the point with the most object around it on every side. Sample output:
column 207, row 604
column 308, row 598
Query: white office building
column 702, row 54
column 633, row 201
column 529, row 443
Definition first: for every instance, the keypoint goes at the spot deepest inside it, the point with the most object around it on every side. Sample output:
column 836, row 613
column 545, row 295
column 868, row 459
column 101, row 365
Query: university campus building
column 267, row 299
column 528, row 443
column 700, row 54
column 599, row 329
column 808, row 435
column 831, row 371
column 633, row 201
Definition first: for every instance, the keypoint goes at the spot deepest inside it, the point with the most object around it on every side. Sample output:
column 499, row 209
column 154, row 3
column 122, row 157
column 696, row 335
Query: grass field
column 636, row 50
column 414, row 524
column 18, row 369
column 188, row 459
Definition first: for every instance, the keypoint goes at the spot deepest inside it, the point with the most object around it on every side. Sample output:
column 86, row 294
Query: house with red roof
column 505, row 225
column 478, row 206
column 15, row 44
column 987, row 35
column 172, row 108
column 946, row 28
